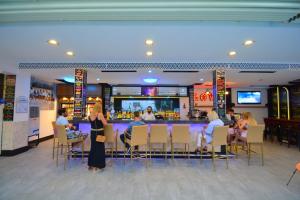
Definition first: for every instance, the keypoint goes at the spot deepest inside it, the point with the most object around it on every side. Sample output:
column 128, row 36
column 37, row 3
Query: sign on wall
column 219, row 91
column 8, row 111
column 22, row 104
column 80, row 93
column 202, row 97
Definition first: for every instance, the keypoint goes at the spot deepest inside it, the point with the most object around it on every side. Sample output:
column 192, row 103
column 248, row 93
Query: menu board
column 80, row 93
column 8, row 111
column 219, row 89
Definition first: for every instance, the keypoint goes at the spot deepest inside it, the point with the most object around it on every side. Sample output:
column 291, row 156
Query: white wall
column 22, row 89
column 46, row 118
column 259, row 111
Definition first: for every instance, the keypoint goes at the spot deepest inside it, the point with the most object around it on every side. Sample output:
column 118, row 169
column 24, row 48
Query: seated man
column 62, row 120
column 206, row 135
column 127, row 133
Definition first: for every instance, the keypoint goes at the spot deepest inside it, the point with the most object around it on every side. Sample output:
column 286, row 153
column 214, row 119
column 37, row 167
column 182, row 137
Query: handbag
column 100, row 138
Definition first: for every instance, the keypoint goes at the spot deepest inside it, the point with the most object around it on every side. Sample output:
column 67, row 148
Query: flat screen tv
column 248, row 97
column 149, row 91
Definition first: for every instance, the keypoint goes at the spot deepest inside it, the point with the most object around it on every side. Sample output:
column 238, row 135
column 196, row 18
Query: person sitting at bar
column 62, row 120
column 205, row 137
column 232, row 125
column 127, row 133
column 242, row 126
column 148, row 115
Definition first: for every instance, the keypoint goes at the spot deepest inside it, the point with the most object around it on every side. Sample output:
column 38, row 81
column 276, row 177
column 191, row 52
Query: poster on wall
column 80, row 93
column 41, row 94
column 202, row 97
column 8, row 111
column 219, row 90
column 22, row 104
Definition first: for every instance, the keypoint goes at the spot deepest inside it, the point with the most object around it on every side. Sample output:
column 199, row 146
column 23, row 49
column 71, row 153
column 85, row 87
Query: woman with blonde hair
column 96, row 158
column 243, row 124
column 207, row 132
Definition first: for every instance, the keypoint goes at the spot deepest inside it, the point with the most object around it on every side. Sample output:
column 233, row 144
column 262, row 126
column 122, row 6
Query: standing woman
column 97, row 153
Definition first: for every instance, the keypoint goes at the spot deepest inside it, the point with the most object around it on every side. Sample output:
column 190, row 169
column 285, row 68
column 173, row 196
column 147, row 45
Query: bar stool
column 139, row 137
column 158, row 135
column 66, row 144
column 180, row 134
column 110, row 139
column 219, row 138
column 55, row 140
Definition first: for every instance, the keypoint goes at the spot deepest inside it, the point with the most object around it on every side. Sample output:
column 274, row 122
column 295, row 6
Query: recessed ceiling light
column 149, row 53
column 248, row 43
column 232, row 53
column 70, row 53
column 149, row 42
column 98, row 79
column 53, row 42
column 201, row 79
column 149, row 71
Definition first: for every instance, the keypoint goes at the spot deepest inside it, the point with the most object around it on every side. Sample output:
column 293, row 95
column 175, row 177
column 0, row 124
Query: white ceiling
column 173, row 42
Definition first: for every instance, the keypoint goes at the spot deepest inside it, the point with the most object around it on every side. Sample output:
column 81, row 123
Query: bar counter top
column 125, row 121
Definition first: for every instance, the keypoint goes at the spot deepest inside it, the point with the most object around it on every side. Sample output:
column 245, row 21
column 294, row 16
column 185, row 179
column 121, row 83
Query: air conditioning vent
column 177, row 71
column 258, row 72
column 118, row 71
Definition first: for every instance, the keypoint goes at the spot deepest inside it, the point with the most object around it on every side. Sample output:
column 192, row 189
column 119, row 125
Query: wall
column 22, row 89
column 259, row 111
column 46, row 118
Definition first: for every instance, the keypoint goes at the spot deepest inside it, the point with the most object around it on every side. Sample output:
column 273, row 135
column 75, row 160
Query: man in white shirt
column 62, row 120
column 148, row 115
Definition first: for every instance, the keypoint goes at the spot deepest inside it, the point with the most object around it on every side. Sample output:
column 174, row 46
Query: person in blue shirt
column 127, row 133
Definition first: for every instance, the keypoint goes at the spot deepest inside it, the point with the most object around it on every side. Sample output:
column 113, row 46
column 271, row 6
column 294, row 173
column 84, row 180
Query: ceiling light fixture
column 53, row 42
column 248, row 43
column 232, row 53
column 149, row 42
column 149, row 53
column 98, row 79
column 70, row 53
column 149, row 71
column 150, row 80
column 201, row 79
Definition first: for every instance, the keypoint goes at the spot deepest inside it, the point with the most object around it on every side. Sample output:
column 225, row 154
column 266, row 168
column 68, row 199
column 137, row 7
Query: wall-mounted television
column 149, row 91
column 249, row 97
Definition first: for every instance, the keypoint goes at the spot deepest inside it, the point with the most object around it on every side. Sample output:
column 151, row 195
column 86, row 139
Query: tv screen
column 149, row 91
column 249, row 97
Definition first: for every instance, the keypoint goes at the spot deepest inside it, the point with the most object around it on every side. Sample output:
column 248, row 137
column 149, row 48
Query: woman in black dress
column 97, row 153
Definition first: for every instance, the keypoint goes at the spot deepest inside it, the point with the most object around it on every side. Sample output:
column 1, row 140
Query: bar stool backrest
column 181, row 134
column 159, row 133
column 255, row 134
column 220, row 135
column 139, row 135
column 62, row 134
column 54, row 129
column 109, row 133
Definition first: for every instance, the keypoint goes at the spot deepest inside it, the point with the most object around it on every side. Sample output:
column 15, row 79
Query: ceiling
column 183, row 31
column 87, row 10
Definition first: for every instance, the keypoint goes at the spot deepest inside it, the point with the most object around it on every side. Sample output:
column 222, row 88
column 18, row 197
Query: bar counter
column 126, row 121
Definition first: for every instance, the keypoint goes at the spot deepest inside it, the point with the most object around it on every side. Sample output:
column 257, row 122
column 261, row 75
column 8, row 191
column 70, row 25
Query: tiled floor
column 34, row 175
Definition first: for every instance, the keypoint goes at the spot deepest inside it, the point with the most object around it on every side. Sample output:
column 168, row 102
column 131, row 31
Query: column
column 219, row 89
